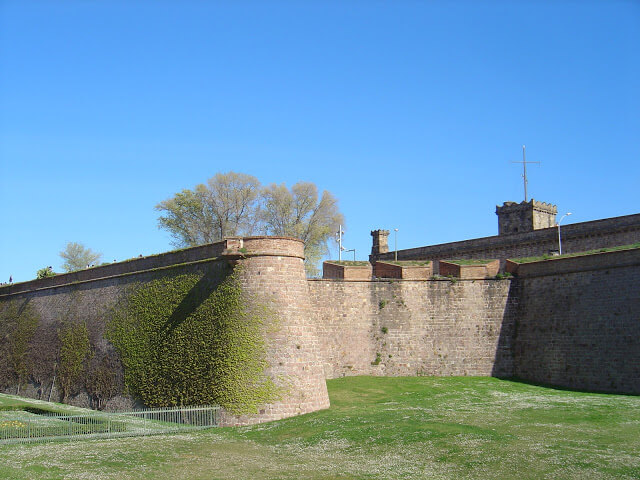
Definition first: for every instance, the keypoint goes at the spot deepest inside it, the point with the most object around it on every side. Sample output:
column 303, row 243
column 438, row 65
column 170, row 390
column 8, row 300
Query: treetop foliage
column 76, row 257
column 235, row 204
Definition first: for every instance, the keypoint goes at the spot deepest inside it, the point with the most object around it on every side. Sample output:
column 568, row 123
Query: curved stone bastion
column 273, row 276
column 272, row 284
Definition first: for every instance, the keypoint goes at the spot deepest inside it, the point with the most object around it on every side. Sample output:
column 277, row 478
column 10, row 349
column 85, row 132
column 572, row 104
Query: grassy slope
column 380, row 428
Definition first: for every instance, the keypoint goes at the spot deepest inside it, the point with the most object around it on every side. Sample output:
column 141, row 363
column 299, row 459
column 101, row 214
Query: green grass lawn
column 379, row 428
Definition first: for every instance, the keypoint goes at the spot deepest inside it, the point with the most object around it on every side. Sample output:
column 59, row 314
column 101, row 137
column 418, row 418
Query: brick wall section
column 470, row 272
column 577, row 237
column 346, row 272
column 406, row 272
column 432, row 327
column 579, row 322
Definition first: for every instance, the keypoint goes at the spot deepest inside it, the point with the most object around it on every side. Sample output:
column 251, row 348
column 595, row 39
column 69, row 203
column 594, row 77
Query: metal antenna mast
column 524, row 170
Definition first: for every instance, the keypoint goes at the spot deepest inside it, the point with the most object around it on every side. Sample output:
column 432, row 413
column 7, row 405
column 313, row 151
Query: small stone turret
column 380, row 242
column 525, row 217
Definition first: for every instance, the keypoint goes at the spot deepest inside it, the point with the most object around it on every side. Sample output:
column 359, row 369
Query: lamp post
column 559, row 237
column 396, row 243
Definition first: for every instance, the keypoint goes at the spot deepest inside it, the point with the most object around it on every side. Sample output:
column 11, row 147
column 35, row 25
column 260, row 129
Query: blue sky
column 409, row 112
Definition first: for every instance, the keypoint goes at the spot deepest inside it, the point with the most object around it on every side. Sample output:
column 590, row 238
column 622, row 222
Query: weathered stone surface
column 573, row 322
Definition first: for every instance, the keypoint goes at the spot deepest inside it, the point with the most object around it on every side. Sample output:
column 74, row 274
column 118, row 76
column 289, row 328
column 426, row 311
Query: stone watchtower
column 380, row 243
column 524, row 217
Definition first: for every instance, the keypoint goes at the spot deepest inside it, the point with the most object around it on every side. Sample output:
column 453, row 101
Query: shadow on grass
column 561, row 388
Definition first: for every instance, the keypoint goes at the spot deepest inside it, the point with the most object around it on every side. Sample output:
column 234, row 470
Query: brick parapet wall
column 247, row 246
column 188, row 255
column 406, row 272
column 408, row 327
column 469, row 272
column 346, row 272
column 576, row 237
column 578, row 323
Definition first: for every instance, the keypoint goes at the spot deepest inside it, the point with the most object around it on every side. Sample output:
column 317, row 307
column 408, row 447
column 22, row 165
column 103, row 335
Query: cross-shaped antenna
column 524, row 170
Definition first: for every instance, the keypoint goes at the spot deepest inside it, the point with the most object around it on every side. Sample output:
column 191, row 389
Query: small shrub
column 502, row 276
column 381, row 304
column 46, row 272
column 384, row 329
column 377, row 360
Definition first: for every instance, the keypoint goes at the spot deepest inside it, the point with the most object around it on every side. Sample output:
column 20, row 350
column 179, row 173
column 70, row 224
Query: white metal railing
column 34, row 425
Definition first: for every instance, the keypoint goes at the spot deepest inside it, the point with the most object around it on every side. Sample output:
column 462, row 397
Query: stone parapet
column 233, row 246
column 579, row 263
column 345, row 271
column 470, row 271
column 403, row 270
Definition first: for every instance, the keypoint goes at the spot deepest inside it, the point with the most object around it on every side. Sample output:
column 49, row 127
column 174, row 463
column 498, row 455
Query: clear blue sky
column 409, row 112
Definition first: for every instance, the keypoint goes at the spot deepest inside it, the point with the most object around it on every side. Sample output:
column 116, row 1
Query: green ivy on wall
column 16, row 333
column 75, row 351
column 191, row 339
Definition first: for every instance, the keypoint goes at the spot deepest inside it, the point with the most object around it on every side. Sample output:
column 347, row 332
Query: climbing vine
column 191, row 339
column 16, row 333
column 75, row 351
column 103, row 380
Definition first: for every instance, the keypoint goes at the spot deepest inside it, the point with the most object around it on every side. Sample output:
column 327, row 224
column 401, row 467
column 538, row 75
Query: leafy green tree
column 235, row 204
column 301, row 213
column 227, row 205
column 76, row 257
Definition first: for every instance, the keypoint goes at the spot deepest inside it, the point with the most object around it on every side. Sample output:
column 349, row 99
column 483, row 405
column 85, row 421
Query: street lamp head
column 569, row 213
column 395, row 229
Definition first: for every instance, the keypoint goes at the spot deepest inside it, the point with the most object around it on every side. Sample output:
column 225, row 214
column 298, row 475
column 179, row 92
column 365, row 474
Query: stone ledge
column 578, row 263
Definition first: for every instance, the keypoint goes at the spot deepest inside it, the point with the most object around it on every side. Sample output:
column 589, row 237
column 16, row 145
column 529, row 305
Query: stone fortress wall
column 272, row 275
column 571, row 322
column 524, row 234
column 415, row 327
column 578, row 322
